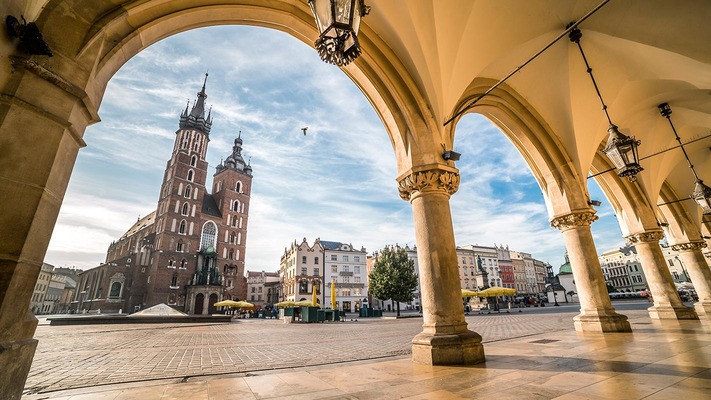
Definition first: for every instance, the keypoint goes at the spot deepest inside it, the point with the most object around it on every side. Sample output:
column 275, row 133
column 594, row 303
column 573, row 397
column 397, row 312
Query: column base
column 16, row 359
column 601, row 321
column 448, row 349
column 703, row 309
column 671, row 312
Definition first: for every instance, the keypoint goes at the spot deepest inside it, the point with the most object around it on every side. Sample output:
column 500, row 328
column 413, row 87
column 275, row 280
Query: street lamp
column 338, row 22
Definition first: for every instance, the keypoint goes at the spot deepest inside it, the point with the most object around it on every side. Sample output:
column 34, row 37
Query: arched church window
column 179, row 247
column 232, row 238
column 183, row 263
column 186, row 208
column 209, row 236
column 181, row 228
column 235, row 206
column 193, row 161
column 190, row 175
column 171, row 263
column 115, row 290
column 195, row 147
column 234, row 220
column 188, row 191
column 174, row 280
column 238, row 188
column 231, row 255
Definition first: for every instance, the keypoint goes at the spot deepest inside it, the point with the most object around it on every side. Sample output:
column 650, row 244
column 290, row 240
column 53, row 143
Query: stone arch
column 563, row 187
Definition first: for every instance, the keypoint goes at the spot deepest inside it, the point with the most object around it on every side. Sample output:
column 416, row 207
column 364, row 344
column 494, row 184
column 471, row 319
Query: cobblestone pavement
column 78, row 356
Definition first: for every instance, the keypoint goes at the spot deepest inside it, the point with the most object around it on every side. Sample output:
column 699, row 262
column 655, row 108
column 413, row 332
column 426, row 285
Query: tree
column 393, row 276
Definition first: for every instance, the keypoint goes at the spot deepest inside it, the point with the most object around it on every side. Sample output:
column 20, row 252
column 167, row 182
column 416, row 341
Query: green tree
column 393, row 276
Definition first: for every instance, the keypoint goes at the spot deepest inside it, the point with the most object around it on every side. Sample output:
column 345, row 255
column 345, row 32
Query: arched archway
column 199, row 304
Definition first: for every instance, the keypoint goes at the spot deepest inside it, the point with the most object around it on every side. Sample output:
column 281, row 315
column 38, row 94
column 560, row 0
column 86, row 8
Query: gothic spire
column 196, row 119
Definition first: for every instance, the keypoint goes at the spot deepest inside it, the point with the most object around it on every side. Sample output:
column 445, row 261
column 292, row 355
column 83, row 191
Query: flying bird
column 304, row 130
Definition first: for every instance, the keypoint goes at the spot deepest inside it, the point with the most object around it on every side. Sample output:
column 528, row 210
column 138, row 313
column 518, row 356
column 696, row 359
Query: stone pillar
column 42, row 118
column 699, row 272
column 445, row 339
column 596, row 311
column 667, row 304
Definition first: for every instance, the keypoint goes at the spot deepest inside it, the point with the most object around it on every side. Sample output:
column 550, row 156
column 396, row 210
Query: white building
column 471, row 274
column 345, row 267
column 623, row 270
column 300, row 271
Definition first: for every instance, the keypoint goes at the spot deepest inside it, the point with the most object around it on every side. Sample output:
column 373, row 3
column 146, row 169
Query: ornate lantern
column 622, row 151
column 338, row 22
column 702, row 196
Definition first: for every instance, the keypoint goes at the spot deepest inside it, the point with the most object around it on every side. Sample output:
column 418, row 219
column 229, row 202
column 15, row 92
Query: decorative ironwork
column 338, row 22
column 31, row 40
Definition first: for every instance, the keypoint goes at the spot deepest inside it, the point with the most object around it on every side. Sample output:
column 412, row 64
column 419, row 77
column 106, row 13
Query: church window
column 235, row 206
column 209, row 236
column 174, row 280
column 115, row 290
column 231, row 255
column 232, row 238
column 195, row 147
column 186, row 209
column 238, row 188
column 190, row 175
column 179, row 247
column 183, row 264
column 193, row 161
column 234, row 220
column 171, row 263
column 188, row 191
column 181, row 228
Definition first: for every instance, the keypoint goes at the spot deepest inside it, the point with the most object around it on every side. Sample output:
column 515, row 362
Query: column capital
column 691, row 246
column 574, row 219
column 646, row 237
column 431, row 178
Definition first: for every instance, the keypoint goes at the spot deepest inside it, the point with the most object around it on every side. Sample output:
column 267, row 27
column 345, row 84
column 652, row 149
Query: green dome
column 565, row 269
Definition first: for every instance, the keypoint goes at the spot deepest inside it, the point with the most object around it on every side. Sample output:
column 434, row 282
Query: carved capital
column 691, row 246
column 574, row 219
column 429, row 179
column 646, row 237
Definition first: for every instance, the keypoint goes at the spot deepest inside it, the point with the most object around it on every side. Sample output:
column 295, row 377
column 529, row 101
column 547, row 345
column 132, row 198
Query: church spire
column 196, row 119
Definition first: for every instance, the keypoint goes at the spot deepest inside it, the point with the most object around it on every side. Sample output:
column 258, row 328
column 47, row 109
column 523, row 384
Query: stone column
column 699, row 273
column 42, row 118
column 596, row 311
column 445, row 339
column 667, row 304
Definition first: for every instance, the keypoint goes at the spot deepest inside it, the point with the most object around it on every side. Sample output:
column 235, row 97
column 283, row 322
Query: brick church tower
column 189, row 252
column 200, row 238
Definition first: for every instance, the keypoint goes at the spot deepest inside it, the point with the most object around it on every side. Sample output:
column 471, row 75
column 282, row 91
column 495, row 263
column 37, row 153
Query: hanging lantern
column 702, row 195
column 622, row 151
column 338, row 22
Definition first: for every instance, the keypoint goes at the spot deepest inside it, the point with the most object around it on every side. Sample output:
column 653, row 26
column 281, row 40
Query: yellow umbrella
column 228, row 303
column 314, row 298
column 469, row 293
column 287, row 304
column 333, row 296
column 496, row 291
column 243, row 304
column 304, row 303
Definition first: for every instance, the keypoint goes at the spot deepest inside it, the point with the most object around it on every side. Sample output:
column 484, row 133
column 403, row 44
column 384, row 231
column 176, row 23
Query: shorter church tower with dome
column 189, row 252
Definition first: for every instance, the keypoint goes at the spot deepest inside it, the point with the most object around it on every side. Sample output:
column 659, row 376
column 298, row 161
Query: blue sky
column 337, row 183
